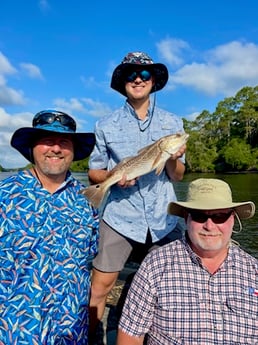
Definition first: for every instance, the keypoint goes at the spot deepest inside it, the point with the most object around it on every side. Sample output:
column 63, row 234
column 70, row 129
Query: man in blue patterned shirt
column 199, row 290
column 133, row 220
column 48, row 237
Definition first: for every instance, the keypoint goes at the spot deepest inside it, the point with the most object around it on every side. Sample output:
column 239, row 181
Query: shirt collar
column 143, row 124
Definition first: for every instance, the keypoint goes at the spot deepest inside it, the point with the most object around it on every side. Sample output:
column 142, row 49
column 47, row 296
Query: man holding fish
column 133, row 214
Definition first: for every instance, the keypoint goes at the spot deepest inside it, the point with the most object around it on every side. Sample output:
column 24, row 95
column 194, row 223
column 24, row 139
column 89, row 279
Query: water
column 244, row 188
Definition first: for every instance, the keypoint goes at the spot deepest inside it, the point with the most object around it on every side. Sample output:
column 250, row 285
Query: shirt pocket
column 156, row 135
column 241, row 314
column 120, row 145
column 175, row 313
column 163, row 339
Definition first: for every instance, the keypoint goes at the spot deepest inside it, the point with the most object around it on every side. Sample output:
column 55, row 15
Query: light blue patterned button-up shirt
column 47, row 243
column 132, row 211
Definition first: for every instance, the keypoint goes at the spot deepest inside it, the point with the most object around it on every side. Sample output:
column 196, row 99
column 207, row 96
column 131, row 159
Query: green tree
column 211, row 145
column 201, row 152
column 80, row 166
column 237, row 155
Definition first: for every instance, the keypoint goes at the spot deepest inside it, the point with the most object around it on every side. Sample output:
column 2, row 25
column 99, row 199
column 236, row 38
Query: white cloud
column 92, row 84
column 171, row 50
column 192, row 116
column 8, row 95
column 31, row 70
column 9, row 157
column 223, row 71
column 13, row 159
column 98, row 109
column 5, row 65
column 83, row 106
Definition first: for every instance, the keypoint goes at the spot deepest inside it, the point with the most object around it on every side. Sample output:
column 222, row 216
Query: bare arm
column 125, row 339
column 97, row 175
column 174, row 167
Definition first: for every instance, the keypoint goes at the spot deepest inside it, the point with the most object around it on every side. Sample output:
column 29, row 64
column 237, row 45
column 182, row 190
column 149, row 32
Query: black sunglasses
column 144, row 75
column 217, row 218
column 48, row 117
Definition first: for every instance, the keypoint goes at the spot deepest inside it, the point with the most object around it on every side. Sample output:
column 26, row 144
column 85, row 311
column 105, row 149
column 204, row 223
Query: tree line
column 227, row 139
column 222, row 141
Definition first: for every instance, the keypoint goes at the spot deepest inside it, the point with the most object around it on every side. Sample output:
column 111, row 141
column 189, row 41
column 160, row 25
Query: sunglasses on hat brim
column 48, row 117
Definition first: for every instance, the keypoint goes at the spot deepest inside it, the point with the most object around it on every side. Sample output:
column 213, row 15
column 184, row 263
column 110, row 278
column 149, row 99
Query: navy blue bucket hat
column 49, row 122
column 139, row 59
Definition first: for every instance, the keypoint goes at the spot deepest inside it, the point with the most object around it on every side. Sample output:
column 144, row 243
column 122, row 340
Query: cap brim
column 243, row 209
column 24, row 138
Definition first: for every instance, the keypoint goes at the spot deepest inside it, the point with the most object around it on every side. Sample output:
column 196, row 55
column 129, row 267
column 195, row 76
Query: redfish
column 149, row 158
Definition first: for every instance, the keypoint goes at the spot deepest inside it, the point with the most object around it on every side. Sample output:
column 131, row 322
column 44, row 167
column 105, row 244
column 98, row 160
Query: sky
column 60, row 54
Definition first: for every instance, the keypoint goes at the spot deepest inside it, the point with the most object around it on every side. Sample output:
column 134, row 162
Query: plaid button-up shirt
column 177, row 301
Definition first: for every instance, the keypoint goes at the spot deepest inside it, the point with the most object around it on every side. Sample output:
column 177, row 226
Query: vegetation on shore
column 227, row 139
column 222, row 141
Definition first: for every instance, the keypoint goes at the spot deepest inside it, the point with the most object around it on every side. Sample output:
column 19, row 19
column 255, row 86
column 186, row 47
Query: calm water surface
column 244, row 188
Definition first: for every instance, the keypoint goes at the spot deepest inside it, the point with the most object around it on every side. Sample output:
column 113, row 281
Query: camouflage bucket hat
column 139, row 59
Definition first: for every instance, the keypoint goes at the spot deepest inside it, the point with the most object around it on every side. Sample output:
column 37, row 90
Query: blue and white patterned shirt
column 47, row 243
column 177, row 301
column 131, row 211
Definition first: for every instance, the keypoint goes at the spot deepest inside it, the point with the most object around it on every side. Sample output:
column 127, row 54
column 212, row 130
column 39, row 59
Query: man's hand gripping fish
column 149, row 158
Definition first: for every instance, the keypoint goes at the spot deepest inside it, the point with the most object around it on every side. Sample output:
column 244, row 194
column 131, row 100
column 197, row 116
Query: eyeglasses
column 217, row 218
column 144, row 75
column 48, row 117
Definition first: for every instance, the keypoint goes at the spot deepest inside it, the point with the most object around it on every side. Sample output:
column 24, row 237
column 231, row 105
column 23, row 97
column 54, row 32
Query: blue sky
column 60, row 55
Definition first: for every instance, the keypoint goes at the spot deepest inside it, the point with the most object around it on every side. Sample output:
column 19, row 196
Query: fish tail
column 95, row 194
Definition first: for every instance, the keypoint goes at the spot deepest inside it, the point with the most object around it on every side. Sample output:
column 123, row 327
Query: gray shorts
column 115, row 249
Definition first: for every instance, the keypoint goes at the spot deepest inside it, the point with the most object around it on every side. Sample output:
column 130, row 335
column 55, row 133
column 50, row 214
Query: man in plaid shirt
column 199, row 290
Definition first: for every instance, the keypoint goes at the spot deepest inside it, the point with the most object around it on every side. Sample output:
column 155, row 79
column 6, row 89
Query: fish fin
column 120, row 164
column 144, row 149
column 95, row 194
column 159, row 164
column 124, row 160
column 160, row 168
